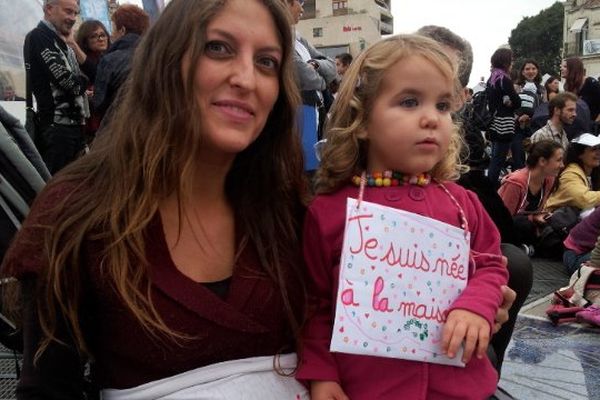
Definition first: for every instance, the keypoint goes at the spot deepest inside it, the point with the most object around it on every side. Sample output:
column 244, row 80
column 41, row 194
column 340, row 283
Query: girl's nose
column 430, row 118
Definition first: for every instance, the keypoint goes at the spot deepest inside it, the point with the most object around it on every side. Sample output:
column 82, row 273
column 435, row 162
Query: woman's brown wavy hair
column 344, row 154
column 146, row 153
column 575, row 75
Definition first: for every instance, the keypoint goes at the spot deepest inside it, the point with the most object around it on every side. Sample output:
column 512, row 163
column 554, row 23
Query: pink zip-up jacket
column 366, row 377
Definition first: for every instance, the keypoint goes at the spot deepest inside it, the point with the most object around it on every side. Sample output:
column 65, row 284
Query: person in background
column 532, row 94
column 579, row 184
column 342, row 62
column 91, row 42
column 586, row 88
column 503, row 102
column 525, row 191
column 129, row 24
column 580, row 242
column 563, row 111
column 314, row 71
column 9, row 94
column 518, row 264
column 530, row 73
column 174, row 245
column 469, row 95
column 551, row 87
column 58, row 85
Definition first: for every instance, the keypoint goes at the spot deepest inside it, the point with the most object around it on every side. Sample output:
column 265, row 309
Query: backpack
column 572, row 302
column 556, row 230
column 480, row 116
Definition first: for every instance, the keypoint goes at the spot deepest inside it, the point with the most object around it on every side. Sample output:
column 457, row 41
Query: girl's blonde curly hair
column 344, row 154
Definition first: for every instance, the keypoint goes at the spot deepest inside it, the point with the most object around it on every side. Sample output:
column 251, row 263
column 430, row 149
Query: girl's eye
column 444, row 106
column 217, row 48
column 409, row 102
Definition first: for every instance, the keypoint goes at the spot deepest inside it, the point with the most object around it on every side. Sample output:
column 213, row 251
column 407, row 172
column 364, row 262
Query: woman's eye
column 217, row 48
column 269, row 63
column 409, row 102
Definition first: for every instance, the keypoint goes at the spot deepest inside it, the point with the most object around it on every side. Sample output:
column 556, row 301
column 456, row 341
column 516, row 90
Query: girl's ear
column 362, row 133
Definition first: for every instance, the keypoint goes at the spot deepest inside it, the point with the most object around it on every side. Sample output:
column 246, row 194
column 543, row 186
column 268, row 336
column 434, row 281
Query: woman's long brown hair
column 146, row 153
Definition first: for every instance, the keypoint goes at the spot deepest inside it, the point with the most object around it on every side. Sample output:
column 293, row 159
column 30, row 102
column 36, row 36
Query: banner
column 399, row 274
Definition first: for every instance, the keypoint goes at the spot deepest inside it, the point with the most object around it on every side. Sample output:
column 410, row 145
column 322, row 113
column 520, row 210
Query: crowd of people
column 190, row 240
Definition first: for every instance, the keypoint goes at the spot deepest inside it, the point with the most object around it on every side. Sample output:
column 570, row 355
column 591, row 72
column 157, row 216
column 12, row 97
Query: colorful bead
column 391, row 178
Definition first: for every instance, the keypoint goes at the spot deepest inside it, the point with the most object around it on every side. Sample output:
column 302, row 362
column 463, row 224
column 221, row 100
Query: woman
column 587, row 88
column 578, row 184
column 524, row 192
column 532, row 94
column 582, row 240
column 530, row 72
column 175, row 243
column 129, row 24
column 92, row 41
column 551, row 87
column 503, row 102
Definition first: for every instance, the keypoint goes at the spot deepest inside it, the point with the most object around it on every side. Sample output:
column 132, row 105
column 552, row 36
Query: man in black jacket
column 58, row 85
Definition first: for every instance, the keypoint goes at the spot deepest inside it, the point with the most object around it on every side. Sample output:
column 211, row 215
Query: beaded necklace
column 391, row 178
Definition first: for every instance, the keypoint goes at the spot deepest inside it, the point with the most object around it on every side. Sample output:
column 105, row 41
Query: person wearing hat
column 563, row 111
column 579, row 183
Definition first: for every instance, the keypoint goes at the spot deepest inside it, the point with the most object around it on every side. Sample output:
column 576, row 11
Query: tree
column 540, row 38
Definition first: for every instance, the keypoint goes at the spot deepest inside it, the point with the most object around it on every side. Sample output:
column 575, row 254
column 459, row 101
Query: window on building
column 317, row 32
column 309, row 8
column 339, row 7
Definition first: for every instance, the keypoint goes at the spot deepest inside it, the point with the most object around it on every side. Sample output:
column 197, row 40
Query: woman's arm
column 577, row 191
column 511, row 196
column 58, row 372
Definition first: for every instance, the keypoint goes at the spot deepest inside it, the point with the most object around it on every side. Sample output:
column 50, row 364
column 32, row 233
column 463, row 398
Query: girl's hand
column 463, row 325
column 508, row 298
column 327, row 390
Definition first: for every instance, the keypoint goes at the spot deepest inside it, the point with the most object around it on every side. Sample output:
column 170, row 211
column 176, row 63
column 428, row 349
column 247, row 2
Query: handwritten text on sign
column 399, row 274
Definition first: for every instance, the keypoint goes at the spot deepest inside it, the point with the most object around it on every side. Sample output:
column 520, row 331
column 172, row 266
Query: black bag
column 557, row 228
column 481, row 116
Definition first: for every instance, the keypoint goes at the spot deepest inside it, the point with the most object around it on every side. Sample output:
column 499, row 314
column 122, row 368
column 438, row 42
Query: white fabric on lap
column 248, row 379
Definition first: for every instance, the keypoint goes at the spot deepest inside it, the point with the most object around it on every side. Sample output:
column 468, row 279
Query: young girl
column 393, row 113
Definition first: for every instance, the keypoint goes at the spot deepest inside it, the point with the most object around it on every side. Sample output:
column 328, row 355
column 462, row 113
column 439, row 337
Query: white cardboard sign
column 399, row 274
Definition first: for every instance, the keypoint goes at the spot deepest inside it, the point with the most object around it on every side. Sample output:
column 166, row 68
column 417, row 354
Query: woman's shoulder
column 25, row 255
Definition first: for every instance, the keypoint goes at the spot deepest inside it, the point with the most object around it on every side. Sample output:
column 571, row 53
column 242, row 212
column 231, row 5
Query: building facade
column 337, row 26
column 581, row 33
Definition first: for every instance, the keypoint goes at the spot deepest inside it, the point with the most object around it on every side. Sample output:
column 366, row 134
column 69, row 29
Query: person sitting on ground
column 578, row 184
column 525, row 191
column 562, row 112
column 582, row 239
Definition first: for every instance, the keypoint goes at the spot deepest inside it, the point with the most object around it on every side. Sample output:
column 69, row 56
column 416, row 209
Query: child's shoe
column 591, row 315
